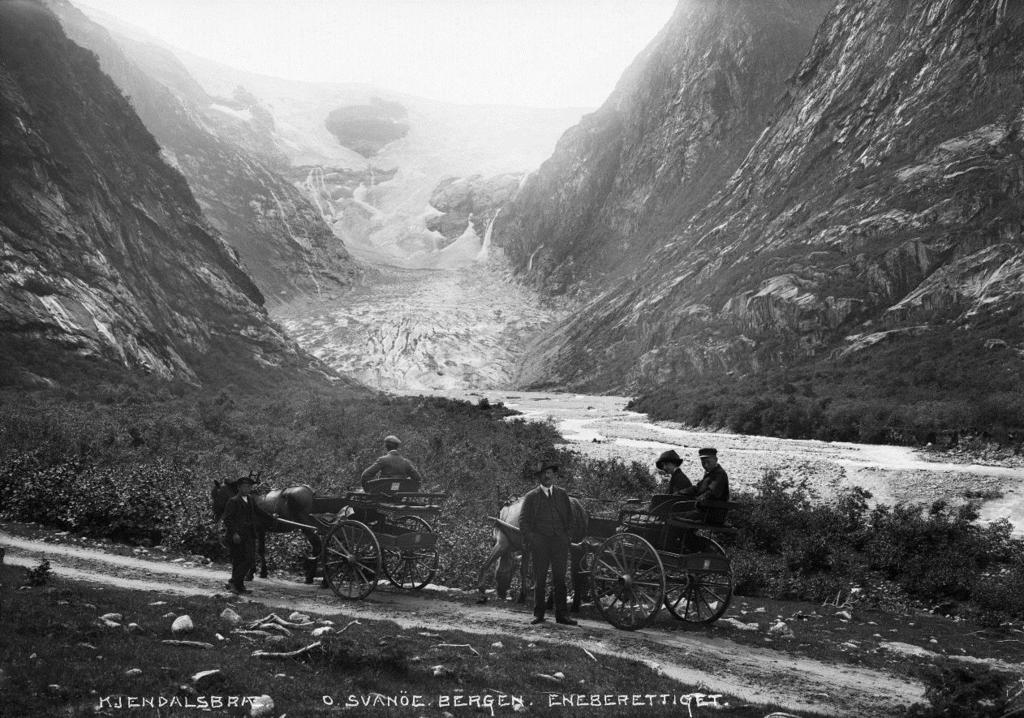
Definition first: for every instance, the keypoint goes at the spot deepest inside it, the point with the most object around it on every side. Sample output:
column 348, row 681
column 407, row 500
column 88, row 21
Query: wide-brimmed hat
column 669, row 455
column 544, row 464
column 707, row 452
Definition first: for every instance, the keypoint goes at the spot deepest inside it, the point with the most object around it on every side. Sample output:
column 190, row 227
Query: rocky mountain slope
column 104, row 253
column 880, row 209
column 226, row 149
column 679, row 122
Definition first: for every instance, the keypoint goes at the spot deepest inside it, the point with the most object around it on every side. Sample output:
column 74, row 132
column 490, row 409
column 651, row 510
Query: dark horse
column 294, row 503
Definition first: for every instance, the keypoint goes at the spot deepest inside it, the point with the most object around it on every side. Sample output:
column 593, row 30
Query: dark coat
column 242, row 517
column 714, row 486
column 678, row 481
column 534, row 501
column 392, row 466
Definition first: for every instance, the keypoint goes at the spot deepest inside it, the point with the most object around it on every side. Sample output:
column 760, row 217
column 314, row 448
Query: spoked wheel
column 628, row 581
column 351, row 559
column 699, row 584
column 412, row 566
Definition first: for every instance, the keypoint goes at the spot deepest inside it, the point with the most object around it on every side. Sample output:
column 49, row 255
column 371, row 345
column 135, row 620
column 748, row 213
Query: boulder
column 182, row 625
column 262, row 706
column 204, row 681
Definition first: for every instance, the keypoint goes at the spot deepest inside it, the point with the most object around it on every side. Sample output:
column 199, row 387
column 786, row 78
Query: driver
column 392, row 465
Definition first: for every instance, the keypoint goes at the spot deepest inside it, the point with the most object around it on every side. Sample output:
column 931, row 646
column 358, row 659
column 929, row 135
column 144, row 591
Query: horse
column 508, row 540
column 294, row 503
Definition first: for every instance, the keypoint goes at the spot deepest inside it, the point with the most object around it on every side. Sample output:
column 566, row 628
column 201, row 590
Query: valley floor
column 463, row 333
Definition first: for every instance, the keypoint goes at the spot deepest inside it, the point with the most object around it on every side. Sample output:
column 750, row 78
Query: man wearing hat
column 714, row 486
column 392, row 465
column 670, row 463
column 240, row 514
column 546, row 523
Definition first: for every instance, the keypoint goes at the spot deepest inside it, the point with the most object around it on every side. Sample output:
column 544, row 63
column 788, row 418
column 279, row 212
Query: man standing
column 392, row 465
column 546, row 522
column 240, row 515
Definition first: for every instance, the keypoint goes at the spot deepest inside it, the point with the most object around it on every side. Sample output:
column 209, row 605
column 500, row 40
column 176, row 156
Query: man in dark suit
column 714, row 486
column 240, row 516
column 546, row 523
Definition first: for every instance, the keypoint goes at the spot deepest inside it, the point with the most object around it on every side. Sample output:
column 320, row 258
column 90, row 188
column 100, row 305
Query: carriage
column 644, row 559
column 380, row 532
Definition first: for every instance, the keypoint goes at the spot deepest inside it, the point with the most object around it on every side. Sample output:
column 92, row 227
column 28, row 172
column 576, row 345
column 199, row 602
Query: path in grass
column 752, row 674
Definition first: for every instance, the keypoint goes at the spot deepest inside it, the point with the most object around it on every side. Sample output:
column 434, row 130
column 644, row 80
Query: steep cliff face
column 104, row 253
column 884, row 202
column 474, row 201
column 679, row 122
column 225, row 149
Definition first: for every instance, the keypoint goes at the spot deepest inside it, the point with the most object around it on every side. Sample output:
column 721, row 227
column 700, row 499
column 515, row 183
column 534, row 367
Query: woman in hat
column 669, row 463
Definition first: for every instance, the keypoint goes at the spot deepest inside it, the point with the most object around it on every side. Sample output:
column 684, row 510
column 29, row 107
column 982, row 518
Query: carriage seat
column 665, row 505
column 681, row 523
column 392, row 486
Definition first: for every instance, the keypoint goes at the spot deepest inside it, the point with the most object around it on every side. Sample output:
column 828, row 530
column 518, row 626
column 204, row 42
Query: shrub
column 791, row 545
column 954, row 688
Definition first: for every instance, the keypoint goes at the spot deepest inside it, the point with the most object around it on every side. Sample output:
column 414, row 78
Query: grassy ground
column 60, row 658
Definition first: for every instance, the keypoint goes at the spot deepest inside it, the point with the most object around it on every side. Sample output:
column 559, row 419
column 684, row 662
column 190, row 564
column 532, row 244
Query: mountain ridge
column 106, row 256
column 881, row 205
column 234, row 168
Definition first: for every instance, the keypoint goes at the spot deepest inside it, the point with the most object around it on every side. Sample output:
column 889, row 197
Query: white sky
column 542, row 53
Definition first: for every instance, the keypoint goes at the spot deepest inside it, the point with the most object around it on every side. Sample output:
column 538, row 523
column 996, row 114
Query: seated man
column 394, row 472
column 714, row 486
column 392, row 465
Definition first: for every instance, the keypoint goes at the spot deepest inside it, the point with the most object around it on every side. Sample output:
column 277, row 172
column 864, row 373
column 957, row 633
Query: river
column 452, row 332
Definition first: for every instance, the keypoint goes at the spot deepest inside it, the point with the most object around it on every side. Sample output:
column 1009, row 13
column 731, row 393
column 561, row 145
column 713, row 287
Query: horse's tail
column 580, row 518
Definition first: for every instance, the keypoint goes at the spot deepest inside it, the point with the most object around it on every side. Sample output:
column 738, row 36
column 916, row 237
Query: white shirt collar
column 546, row 490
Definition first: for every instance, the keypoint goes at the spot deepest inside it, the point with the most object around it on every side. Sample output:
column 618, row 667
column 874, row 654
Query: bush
column 791, row 545
column 954, row 688
column 134, row 463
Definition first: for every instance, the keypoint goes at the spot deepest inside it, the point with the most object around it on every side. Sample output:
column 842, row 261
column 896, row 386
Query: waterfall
column 303, row 242
column 485, row 248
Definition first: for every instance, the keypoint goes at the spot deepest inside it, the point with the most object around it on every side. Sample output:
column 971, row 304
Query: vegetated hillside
column 225, row 148
column 680, row 121
column 873, row 231
column 105, row 253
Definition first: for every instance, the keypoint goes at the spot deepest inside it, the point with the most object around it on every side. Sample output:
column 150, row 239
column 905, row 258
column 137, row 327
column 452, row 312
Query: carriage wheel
column 699, row 595
column 351, row 559
column 412, row 567
column 628, row 581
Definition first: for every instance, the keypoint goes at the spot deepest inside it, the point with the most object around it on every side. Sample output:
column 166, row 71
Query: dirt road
column 695, row 660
